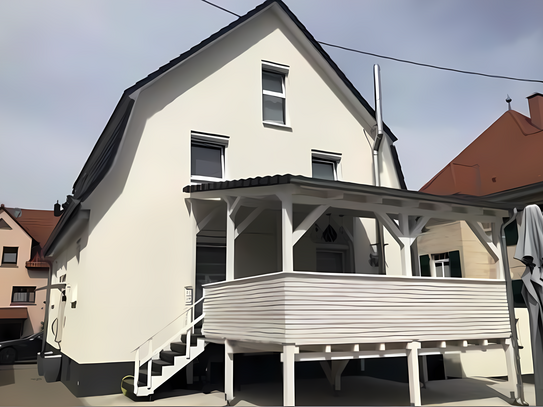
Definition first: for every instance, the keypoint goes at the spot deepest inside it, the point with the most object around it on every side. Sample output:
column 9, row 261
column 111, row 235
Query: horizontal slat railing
column 315, row 308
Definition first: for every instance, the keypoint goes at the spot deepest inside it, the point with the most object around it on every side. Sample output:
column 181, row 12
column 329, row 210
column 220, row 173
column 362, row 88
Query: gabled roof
column 507, row 155
column 103, row 154
column 37, row 224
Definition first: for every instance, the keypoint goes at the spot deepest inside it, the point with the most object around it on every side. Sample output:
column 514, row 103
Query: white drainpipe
column 376, row 167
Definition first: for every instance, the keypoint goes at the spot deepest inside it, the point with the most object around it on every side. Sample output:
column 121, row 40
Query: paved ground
column 20, row 385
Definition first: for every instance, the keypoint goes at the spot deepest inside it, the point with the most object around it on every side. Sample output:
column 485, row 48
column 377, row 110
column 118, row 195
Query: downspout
column 47, row 302
column 376, row 167
column 510, row 305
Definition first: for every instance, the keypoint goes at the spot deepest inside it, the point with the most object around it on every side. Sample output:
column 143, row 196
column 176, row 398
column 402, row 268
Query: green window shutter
column 511, row 234
column 454, row 264
column 425, row 266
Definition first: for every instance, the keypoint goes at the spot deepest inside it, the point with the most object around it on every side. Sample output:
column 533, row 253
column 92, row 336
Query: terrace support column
column 289, row 352
column 413, row 369
column 406, row 240
column 232, row 207
column 510, row 361
column 286, row 230
column 228, row 372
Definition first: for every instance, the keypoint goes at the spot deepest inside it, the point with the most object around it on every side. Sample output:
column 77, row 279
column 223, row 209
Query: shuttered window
column 446, row 264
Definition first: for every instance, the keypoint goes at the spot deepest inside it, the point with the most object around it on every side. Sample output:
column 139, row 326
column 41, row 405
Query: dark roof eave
column 517, row 195
column 56, row 234
column 343, row 186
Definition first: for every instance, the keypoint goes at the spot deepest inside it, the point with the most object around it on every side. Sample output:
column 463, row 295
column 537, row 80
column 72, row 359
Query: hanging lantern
column 329, row 235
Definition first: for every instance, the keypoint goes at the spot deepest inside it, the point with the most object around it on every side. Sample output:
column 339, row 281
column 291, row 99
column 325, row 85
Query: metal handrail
column 179, row 316
column 139, row 362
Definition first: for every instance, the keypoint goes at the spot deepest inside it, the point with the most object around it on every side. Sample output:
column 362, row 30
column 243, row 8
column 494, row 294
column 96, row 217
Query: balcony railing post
column 136, row 371
column 187, row 353
column 150, row 364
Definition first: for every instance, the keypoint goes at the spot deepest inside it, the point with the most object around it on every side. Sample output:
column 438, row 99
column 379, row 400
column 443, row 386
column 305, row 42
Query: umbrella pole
column 510, row 305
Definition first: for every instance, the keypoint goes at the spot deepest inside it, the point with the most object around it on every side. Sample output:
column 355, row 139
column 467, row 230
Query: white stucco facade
column 127, row 267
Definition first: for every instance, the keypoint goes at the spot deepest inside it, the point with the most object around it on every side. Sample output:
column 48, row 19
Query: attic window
column 4, row 225
column 273, row 93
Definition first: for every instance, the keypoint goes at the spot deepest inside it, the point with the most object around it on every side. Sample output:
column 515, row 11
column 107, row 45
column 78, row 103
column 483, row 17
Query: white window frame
column 210, row 141
column 328, row 158
column 28, row 292
column 282, row 70
column 16, row 252
column 434, row 262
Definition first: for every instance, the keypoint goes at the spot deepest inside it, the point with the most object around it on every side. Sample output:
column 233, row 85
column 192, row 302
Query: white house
column 180, row 190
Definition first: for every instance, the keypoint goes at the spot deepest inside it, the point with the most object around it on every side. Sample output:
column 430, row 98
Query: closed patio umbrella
column 530, row 252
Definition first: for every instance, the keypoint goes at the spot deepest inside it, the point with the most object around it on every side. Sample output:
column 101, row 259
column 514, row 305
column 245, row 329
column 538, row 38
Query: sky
column 64, row 66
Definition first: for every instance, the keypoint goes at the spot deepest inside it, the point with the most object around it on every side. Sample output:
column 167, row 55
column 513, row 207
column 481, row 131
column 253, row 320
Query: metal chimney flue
column 378, row 111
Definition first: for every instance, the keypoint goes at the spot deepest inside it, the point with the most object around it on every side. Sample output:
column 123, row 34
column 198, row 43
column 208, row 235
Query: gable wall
column 139, row 249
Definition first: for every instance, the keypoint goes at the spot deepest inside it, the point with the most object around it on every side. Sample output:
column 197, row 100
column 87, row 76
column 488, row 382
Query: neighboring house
column 503, row 165
column 503, row 157
column 179, row 197
column 23, row 233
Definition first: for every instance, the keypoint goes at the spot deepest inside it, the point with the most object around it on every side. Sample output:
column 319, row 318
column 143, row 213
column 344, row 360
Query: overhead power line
column 430, row 66
column 221, row 8
column 405, row 61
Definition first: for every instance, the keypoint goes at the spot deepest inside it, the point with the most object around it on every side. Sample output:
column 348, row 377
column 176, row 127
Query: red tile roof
column 507, row 155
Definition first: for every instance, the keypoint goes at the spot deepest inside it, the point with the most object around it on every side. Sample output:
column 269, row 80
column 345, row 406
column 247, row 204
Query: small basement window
column 23, row 294
column 9, row 255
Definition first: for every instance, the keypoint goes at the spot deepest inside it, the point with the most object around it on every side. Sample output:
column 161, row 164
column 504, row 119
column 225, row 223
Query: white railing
column 187, row 329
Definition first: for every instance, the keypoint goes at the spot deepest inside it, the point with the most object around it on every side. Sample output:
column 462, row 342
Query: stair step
column 179, row 347
column 128, row 386
column 159, row 364
column 143, row 376
column 169, row 355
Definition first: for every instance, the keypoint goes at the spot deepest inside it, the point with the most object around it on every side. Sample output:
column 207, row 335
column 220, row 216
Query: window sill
column 15, row 304
column 203, row 180
column 11, row 266
column 277, row 126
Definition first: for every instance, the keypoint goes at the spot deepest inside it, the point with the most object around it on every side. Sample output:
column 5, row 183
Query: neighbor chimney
column 535, row 102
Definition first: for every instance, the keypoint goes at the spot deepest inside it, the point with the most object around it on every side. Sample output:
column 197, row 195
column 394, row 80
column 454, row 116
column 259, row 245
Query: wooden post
column 413, row 369
column 289, row 352
column 510, row 361
column 189, row 372
column 424, row 370
column 338, row 366
column 230, row 241
column 286, row 228
column 228, row 372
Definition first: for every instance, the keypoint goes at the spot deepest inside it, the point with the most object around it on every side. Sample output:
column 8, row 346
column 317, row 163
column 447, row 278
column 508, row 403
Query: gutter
column 520, row 401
